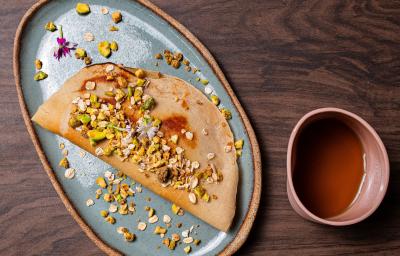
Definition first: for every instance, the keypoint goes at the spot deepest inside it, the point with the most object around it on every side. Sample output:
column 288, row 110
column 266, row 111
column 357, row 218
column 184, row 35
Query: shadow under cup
column 376, row 178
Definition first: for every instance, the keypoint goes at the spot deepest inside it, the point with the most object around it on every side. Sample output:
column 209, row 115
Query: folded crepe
column 155, row 128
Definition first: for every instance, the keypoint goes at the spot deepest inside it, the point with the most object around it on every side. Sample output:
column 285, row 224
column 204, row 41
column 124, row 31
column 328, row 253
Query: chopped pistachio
column 111, row 220
column 158, row 56
column 40, row 76
column 74, row 122
column 96, row 135
column 238, row 152
column 139, row 73
column 151, row 212
column 121, row 81
column 206, row 197
column 104, row 49
column 84, row 118
column 175, row 63
column 226, row 113
column 80, row 53
column 103, row 213
column 114, row 46
column 64, row 163
column 215, row 100
column 101, row 182
column 129, row 237
column 122, row 230
column 110, row 94
column 113, row 28
column 50, row 26
column 204, row 81
column 172, row 245
column 87, row 60
column 148, row 104
column 160, row 230
column 239, row 144
column 38, row 64
column 140, row 82
column 187, row 249
column 116, row 16
column 175, row 209
column 82, row 8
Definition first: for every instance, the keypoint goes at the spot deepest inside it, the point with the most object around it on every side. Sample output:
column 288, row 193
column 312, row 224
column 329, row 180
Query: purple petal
column 61, row 41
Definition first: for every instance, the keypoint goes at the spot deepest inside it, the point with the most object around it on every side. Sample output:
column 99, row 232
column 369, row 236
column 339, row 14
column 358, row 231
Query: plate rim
column 245, row 227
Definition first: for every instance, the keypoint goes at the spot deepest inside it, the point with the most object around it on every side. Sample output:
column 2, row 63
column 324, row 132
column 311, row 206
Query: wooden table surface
column 283, row 59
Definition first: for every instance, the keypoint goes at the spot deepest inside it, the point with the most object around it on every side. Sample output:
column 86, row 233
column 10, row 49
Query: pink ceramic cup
column 376, row 178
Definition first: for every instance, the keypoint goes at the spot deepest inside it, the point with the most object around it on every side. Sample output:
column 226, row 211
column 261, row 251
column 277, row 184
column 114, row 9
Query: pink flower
column 64, row 47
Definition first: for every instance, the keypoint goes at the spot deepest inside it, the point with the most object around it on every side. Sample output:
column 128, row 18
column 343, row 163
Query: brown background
column 283, row 59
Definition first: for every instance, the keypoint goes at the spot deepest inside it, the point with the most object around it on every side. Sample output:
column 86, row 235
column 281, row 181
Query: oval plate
column 144, row 31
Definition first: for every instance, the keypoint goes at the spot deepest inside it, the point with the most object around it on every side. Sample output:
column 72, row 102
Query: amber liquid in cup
column 329, row 167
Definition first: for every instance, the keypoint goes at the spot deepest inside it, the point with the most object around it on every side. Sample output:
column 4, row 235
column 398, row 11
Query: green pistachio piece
column 82, row 8
column 140, row 82
column 64, row 163
column 104, row 49
column 148, row 104
column 215, row 100
column 114, row 46
column 84, row 118
column 239, row 144
column 130, row 91
column 204, row 81
column 93, row 98
column 226, row 113
column 40, row 75
column 50, row 26
column 96, row 135
column 74, row 122
column 80, row 53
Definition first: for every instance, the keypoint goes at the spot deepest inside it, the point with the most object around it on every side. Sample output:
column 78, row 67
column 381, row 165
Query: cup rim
column 385, row 171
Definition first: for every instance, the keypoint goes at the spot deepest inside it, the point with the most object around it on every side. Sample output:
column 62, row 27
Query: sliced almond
column 194, row 181
column 210, row 156
column 90, row 85
column 113, row 208
column 166, row 219
column 89, row 202
column 142, row 226
column 188, row 240
column 189, row 135
column 69, row 173
column 153, row 219
column 88, row 37
column 192, row 198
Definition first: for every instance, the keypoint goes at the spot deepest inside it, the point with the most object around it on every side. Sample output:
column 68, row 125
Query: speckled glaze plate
column 144, row 31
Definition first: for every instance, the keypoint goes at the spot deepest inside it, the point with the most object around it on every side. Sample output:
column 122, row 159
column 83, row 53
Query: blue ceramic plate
column 144, row 31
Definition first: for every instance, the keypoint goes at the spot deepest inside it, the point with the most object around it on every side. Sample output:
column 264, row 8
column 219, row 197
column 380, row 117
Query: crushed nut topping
column 111, row 130
column 89, row 202
column 69, row 173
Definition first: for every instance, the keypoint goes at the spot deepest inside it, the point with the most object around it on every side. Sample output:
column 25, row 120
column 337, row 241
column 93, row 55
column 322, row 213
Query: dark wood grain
column 283, row 59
